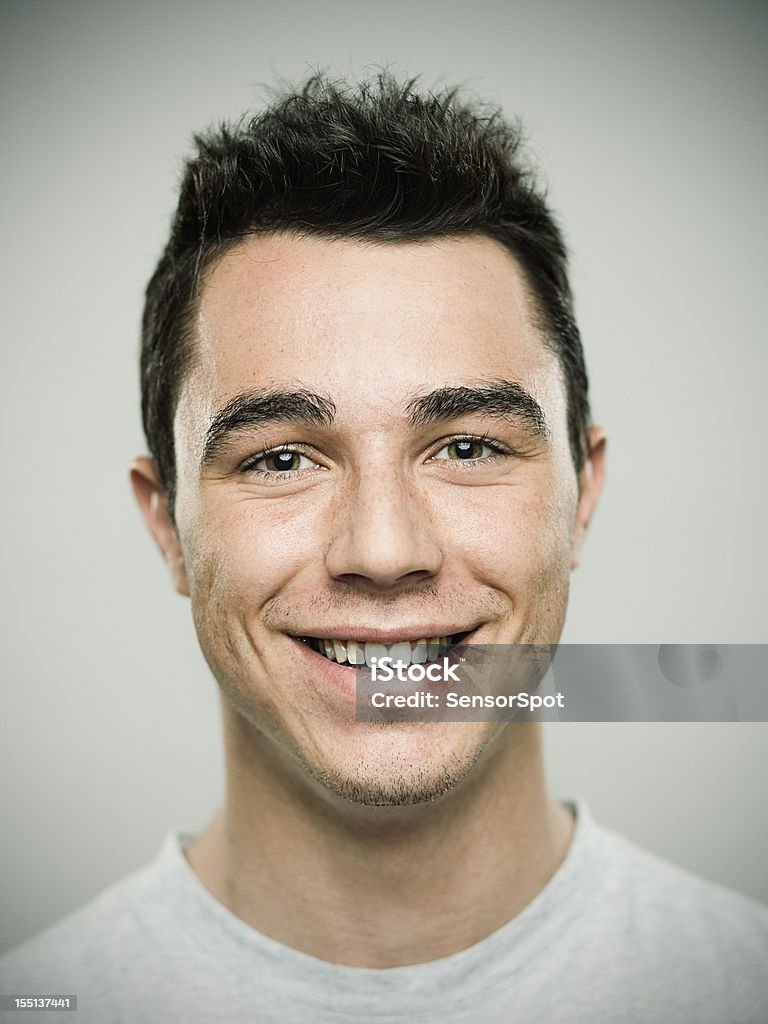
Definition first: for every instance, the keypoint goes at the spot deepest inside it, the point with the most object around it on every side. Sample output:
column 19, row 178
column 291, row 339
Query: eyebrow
column 502, row 398
column 256, row 408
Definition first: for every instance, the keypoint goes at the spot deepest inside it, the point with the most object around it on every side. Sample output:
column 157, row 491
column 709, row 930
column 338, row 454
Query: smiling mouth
column 405, row 652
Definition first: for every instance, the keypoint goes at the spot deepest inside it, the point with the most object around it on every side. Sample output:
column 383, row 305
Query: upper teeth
column 404, row 652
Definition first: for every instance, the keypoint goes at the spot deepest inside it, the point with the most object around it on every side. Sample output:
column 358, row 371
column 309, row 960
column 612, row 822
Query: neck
column 380, row 886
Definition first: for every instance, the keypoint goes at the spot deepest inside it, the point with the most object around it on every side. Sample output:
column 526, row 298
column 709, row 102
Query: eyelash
column 497, row 448
column 249, row 466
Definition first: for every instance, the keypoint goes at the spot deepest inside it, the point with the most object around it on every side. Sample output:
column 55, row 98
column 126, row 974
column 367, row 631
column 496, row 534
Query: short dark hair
column 376, row 161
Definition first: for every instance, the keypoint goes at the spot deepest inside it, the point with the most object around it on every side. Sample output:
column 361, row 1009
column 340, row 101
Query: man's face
column 371, row 447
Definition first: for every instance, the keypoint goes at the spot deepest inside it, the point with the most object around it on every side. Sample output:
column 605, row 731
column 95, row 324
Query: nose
column 384, row 536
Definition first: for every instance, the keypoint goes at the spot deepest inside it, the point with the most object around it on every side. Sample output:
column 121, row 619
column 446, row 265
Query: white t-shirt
column 617, row 935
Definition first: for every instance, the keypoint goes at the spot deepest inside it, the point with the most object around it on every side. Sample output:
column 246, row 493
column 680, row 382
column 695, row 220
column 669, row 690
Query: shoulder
column 114, row 935
column 661, row 895
column 668, row 936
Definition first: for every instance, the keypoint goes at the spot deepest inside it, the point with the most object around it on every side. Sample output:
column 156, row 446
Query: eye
column 468, row 449
column 279, row 462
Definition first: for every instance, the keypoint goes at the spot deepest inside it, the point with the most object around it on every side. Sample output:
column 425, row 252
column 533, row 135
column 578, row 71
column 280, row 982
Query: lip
column 338, row 683
column 374, row 635
column 331, row 679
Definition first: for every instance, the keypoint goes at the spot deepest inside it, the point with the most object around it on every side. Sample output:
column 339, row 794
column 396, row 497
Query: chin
column 404, row 765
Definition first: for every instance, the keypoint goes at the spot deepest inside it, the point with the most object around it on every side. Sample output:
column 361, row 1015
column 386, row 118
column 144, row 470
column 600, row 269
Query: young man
column 366, row 402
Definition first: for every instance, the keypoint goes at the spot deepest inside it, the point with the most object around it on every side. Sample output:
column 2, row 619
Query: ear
column 153, row 503
column 590, row 487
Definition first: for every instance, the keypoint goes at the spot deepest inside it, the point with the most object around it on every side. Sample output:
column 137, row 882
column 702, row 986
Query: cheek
column 514, row 538
column 239, row 553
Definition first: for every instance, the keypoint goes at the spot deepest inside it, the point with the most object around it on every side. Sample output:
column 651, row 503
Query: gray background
column 648, row 122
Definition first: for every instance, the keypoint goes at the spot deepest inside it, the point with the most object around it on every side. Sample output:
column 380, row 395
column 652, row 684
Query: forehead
column 366, row 323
